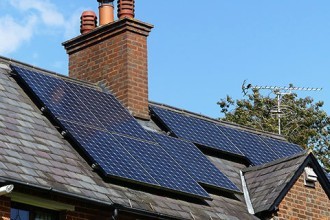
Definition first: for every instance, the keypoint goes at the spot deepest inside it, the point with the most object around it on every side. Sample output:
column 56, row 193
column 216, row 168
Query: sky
column 199, row 51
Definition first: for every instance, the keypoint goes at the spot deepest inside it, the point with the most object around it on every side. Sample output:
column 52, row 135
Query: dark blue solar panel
column 251, row 145
column 282, row 148
column 194, row 162
column 58, row 97
column 162, row 167
column 108, row 153
column 75, row 102
column 196, row 130
column 109, row 112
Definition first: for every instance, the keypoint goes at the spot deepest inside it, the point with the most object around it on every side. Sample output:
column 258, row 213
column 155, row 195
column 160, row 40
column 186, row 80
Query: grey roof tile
column 266, row 182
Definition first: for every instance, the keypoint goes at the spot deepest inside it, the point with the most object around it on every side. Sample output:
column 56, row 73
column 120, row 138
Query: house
column 92, row 146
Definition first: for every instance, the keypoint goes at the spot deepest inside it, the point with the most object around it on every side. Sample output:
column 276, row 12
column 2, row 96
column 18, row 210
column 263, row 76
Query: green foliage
column 303, row 122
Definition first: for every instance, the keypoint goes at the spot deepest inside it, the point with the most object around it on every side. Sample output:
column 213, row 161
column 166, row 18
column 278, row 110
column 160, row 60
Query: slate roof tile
column 266, row 181
column 29, row 179
column 12, row 175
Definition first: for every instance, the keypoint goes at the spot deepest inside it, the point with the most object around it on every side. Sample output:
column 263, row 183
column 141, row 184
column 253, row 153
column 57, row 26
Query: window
column 25, row 212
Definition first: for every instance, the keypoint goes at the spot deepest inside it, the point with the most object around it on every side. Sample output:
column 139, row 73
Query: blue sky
column 199, row 51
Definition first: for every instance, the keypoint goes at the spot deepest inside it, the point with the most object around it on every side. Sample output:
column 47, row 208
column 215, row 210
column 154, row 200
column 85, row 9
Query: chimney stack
column 115, row 54
column 106, row 11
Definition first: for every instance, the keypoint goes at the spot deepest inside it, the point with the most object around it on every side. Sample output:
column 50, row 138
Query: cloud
column 47, row 11
column 72, row 24
column 36, row 15
column 15, row 34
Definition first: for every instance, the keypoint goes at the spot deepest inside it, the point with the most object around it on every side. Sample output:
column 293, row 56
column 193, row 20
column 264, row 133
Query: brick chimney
column 115, row 54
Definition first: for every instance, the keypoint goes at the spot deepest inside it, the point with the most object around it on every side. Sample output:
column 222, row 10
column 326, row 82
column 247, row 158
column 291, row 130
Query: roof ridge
column 218, row 121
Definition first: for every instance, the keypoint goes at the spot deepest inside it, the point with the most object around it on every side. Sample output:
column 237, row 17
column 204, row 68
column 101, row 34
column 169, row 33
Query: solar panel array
column 256, row 148
column 196, row 130
column 194, row 162
column 109, row 135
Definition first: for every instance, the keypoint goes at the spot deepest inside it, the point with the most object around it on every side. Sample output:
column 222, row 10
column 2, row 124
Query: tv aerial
column 279, row 91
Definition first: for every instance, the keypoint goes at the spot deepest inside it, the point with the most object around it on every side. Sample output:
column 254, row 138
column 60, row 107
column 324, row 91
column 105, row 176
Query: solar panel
column 54, row 93
column 74, row 102
column 194, row 162
column 108, row 153
column 196, row 130
column 162, row 167
column 109, row 112
column 282, row 148
column 94, row 119
column 250, row 144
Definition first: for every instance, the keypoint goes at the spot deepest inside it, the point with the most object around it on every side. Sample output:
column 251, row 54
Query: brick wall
column 115, row 54
column 303, row 202
column 4, row 208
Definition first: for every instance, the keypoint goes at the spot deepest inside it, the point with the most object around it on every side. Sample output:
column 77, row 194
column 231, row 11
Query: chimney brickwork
column 116, row 55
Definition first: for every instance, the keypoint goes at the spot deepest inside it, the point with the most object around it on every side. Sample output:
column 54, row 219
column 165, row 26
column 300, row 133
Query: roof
column 266, row 184
column 34, row 153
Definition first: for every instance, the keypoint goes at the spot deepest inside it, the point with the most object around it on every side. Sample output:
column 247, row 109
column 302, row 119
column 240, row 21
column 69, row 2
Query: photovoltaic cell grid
column 74, row 102
column 108, row 153
column 162, row 167
column 58, row 97
column 118, row 156
column 257, row 149
column 282, row 148
column 251, row 145
column 194, row 162
column 109, row 112
column 195, row 130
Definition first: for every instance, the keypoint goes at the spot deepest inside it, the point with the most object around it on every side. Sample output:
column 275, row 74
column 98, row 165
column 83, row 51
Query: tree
column 303, row 121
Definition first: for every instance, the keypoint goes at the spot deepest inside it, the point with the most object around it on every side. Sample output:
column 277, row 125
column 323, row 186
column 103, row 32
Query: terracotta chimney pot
column 126, row 9
column 88, row 21
column 106, row 11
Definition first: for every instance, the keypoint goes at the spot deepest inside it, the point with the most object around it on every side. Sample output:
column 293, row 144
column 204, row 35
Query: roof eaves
column 51, row 189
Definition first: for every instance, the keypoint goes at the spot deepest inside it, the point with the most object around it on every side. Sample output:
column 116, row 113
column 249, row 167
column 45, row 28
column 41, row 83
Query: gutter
column 246, row 194
column 117, row 208
column 51, row 189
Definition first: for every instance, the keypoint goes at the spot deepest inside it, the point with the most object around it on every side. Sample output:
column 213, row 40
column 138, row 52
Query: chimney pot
column 126, row 9
column 106, row 11
column 88, row 21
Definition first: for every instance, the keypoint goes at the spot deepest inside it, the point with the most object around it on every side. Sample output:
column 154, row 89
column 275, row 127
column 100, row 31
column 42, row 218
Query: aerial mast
column 279, row 92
